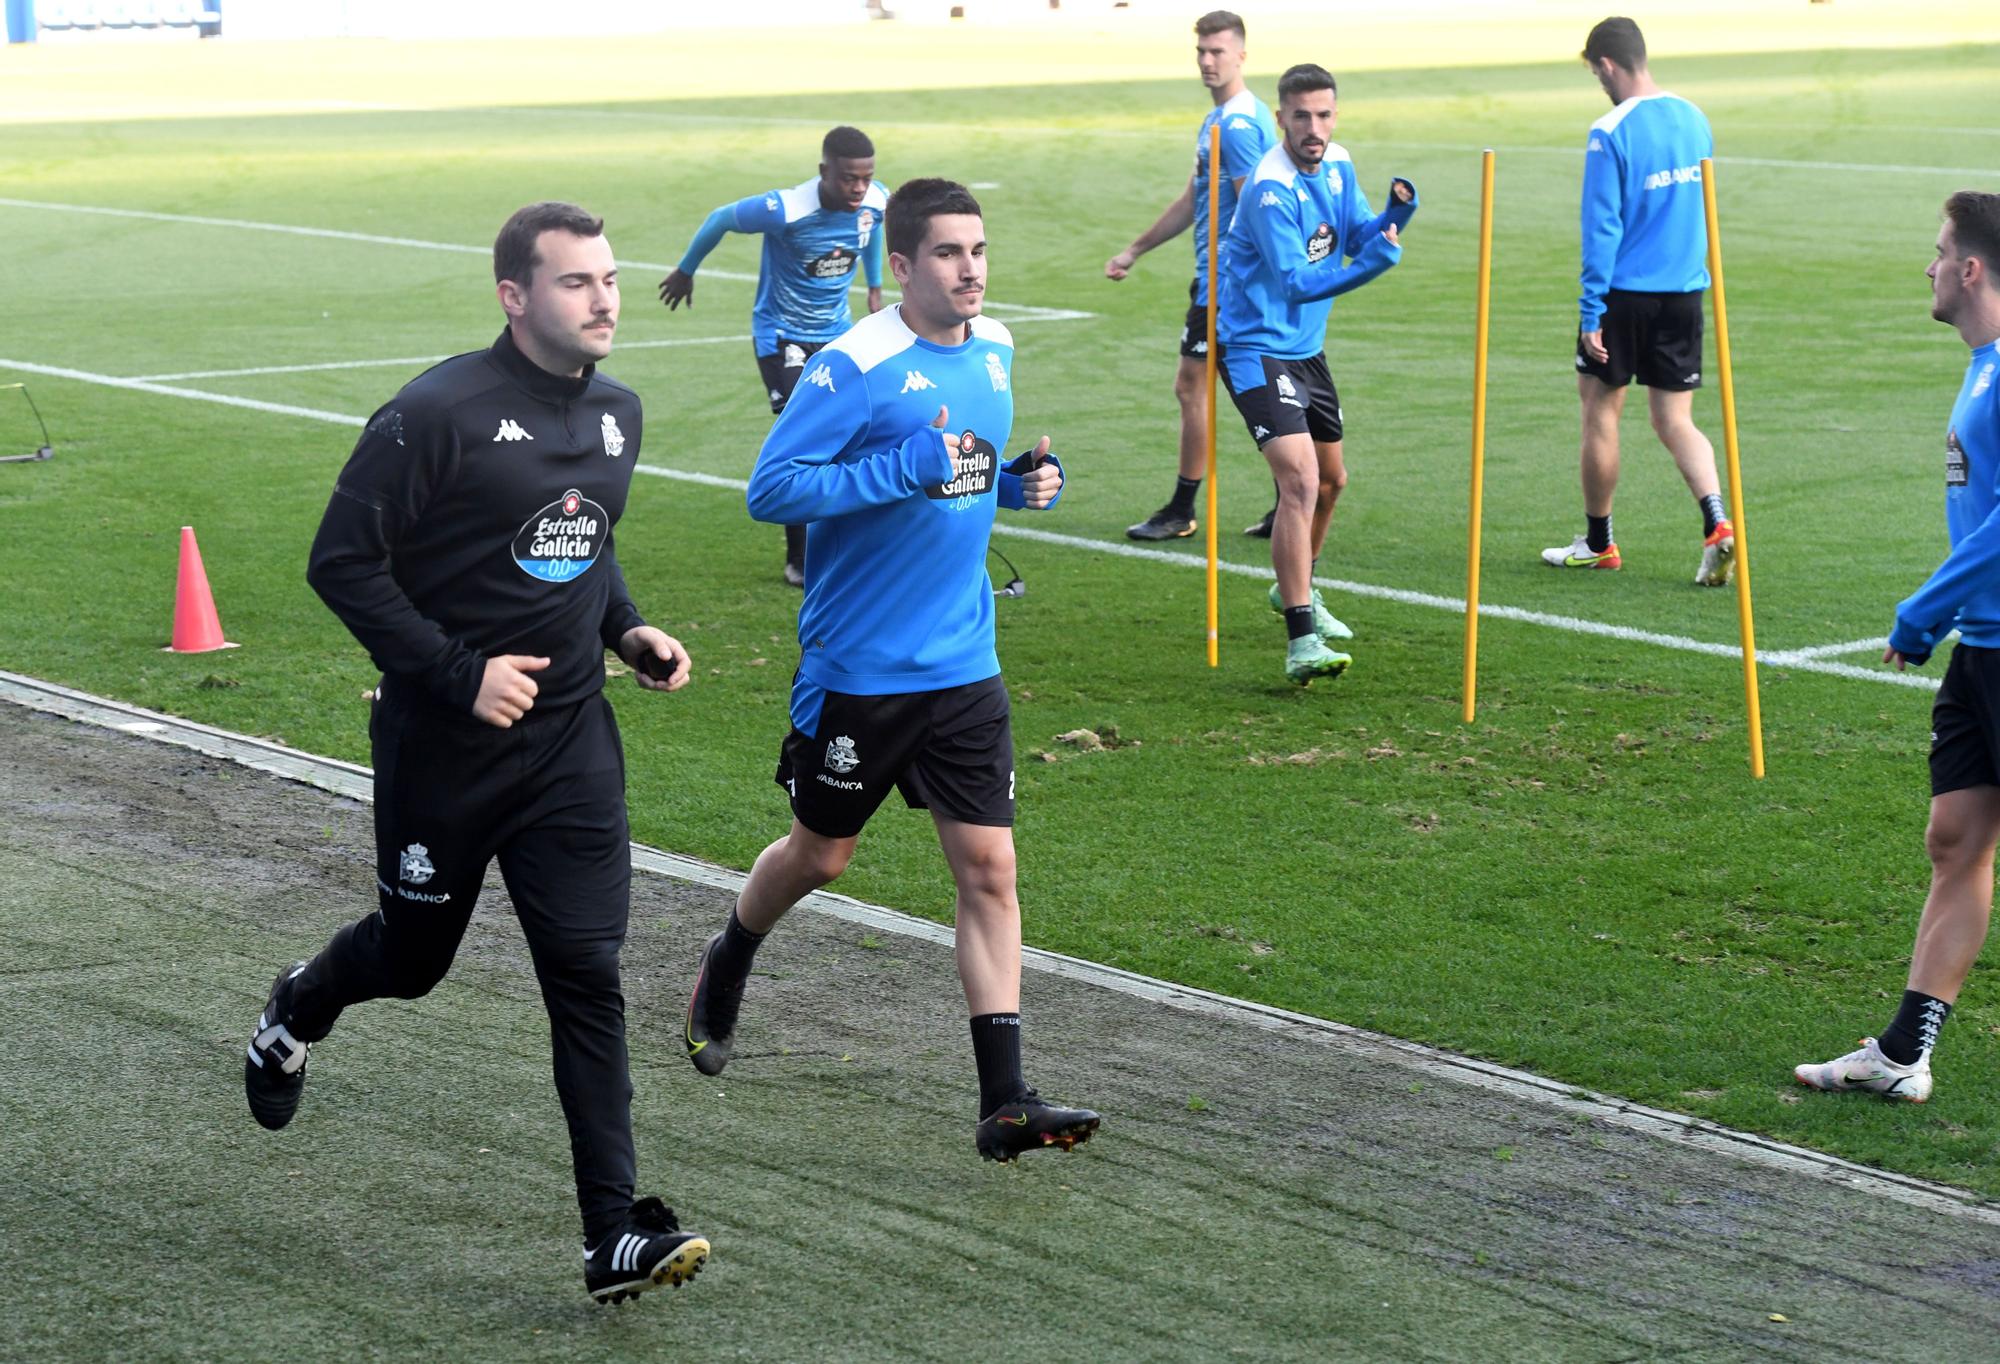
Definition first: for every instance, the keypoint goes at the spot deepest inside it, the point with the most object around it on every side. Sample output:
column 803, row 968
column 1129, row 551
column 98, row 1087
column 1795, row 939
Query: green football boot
column 1325, row 623
column 1308, row 657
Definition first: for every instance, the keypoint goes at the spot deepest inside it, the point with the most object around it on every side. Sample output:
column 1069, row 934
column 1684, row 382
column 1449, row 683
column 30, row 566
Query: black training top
column 474, row 519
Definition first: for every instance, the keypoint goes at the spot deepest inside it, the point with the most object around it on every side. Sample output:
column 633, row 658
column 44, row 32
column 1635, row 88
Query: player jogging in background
column 1247, row 133
column 814, row 234
column 1964, row 594
column 892, row 454
column 468, row 547
column 1302, row 215
column 1645, row 265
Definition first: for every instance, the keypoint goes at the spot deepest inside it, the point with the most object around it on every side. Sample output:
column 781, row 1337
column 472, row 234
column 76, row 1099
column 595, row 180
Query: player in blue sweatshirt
column 1965, row 720
column 1302, row 216
column 1645, row 266
column 1247, row 133
column 814, row 234
column 892, row 452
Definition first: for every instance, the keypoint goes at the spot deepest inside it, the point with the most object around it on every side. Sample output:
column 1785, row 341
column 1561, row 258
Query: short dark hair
column 846, row 144
column 1219, row 21
column 1618, row 39
column 916, row 202
column 1305, row 78
column 1975, row 223
column 514, row 255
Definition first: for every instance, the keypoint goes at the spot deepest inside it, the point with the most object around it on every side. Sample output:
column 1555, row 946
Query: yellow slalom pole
column 1482, row 313
column 1748, row 630
column 1214, row 193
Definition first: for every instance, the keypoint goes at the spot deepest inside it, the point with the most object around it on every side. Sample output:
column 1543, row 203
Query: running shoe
column 711, row 1015
column 1718, row 557
column 274, row 1070
column 650, row 1251
column 1029, row 1124
column 1164, row 524
column 1308, row 657
column 1580, row 555
column 1260, row 529
column 1868, row 1069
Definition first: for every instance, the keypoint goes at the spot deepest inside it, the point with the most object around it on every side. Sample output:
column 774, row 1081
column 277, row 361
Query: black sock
column 1597, row 533
column 795, row 544
column 1916, row 1027
column 736, row 951
column 1183, row 500
column 1298, row 621
column 1712, row 514
column 996, row 1050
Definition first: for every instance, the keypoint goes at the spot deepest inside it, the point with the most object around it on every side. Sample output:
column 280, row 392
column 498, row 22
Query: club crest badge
column 416, row 865
column 840, row 755
column 614, row 439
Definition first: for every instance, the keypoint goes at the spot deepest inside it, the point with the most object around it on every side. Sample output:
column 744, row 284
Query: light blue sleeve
column 1242, row 148
column 1363, row 226
column 1275, row 227
column 1926, row 615
column 871, row 255
column 798, row 478
column 1603, row 224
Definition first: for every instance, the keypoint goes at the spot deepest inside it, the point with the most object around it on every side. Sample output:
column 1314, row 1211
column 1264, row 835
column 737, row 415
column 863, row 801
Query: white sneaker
column 1718, row 557
column 1579, row 554
column 1869, row 1069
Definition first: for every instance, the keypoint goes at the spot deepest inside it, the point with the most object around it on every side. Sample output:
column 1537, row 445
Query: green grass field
column 1585, row 882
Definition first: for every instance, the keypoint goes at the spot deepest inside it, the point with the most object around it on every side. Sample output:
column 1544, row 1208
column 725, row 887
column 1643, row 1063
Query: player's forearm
column 1972, row 565
column 1178, row 218
column 711, row 231
column 1396, row 215
column 1330, row 279
column 1602, row 229
column 620, row 615
column 349, row 569
column 789, row 488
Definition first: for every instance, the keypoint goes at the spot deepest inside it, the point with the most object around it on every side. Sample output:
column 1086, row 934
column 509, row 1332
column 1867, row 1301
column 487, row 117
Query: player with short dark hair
column 1645, row 267
column 814, row 233
column 1247, row 133
column 1964, row 593
column 891, row 453
column 1303, row 213
column 468, row 547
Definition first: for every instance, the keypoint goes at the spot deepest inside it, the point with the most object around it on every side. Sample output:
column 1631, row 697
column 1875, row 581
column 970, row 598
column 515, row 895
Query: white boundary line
column 356, row 783
column 1853, row 646
column 1009, row 312
column 1802, row 659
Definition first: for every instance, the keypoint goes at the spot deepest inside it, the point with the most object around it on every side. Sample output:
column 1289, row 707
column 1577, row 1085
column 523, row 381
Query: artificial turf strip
column 1585, row 882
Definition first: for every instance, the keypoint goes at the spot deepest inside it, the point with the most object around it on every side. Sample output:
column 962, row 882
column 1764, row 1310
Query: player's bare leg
column 1013, row 1118
column 1176, row 520
column 785, row 873
column 1308, row 485
column 1964, row 827
column 1601, row 407
column 1694, row 456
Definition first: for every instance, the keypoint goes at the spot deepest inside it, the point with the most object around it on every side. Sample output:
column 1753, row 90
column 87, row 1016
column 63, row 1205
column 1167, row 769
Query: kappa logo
column 1269, row 199
column 822, row 376
column 1200, row 347
column 510, row 430
column 1239, row 125
column 389, row 426
column 416, row 867
column 614, row 439
column 996, row 371
column 1596, row 145
column 914, row 382
column 795, row 357
column 770, row 203
column 840, row 755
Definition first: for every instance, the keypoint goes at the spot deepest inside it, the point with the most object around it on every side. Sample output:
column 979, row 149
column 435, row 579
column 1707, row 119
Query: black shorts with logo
column 1296, row 396
column 1965, row 722
column 1194, row 330
column 781, row 369
column 949, row 751
column 1655, row 338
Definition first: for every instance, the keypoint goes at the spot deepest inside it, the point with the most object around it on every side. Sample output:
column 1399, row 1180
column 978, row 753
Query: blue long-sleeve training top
column 897, row 510
column 1248, row 131
column 1644, row 228
column 1282, row 262
column 1965, row 590
column 810, row 252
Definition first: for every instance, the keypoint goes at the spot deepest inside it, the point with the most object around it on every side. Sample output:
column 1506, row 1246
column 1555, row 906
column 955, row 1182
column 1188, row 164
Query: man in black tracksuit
column 468, row 546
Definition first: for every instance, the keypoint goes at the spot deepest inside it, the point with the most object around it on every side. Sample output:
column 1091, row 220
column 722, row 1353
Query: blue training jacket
column 1965, row 590
column 897, row 511
column 1644, row 227
column 1282, row 260
column 809, row 259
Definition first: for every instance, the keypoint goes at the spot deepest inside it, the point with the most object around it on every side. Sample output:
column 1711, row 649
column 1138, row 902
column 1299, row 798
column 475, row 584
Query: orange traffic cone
column 196, row 628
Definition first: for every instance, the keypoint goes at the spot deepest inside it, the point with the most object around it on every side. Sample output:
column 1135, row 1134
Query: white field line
column 356, row 783
column 403, row 360
column 1801, row 660
column 1016, row 312
column 1853, row 646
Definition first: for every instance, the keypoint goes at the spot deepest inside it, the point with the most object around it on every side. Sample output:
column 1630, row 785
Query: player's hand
column 1402, row 190
column 1120, row 265
column 1894, row 656
column 507, row 692
column 1040, row 485
column 1390, row 233
column 658, row 661
column 1593, row 346
column 874, row 298
column 677, row 288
